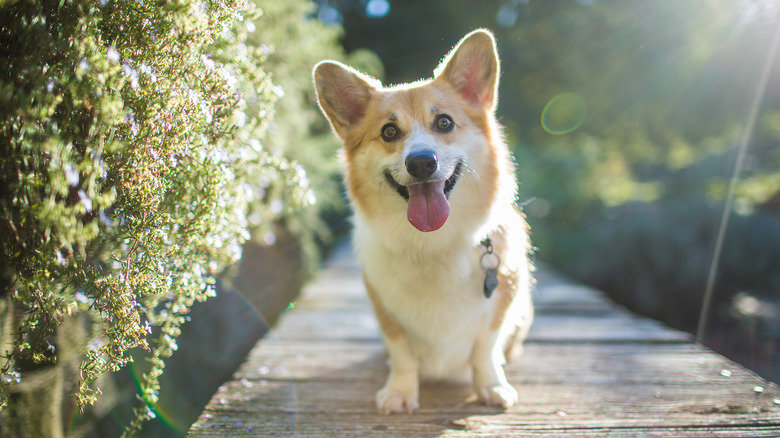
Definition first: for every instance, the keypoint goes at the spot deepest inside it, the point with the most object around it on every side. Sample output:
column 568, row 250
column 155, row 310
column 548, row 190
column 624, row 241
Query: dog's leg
column 400, row 393
column 488, row 355
column 514, row 345
column 487, row 359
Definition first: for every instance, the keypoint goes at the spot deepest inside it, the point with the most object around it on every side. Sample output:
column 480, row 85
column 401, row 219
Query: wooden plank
column 581, row 404
column 453, row 410
column 314, row 427
column 348, row 323
column 590, row 369
column 561, row 293
column 614, row 327
column 663, row 382
column 666, row 364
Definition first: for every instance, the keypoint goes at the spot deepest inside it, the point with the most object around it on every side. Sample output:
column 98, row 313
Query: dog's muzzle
column 427, row 198
column 422, row 166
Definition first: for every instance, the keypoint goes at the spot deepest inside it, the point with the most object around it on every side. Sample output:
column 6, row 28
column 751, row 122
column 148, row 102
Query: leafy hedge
column 294, row 42
column 129, row 151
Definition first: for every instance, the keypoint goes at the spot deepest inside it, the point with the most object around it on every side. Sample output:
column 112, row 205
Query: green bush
column 295, row 42
column 286, row 240
column 129, row 159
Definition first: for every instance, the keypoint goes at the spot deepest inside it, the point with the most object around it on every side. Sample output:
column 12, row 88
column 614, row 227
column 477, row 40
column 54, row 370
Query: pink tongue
column 428, row 207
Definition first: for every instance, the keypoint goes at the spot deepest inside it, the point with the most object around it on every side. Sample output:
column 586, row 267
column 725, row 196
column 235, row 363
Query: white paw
column 502, row 396
column 389, row 401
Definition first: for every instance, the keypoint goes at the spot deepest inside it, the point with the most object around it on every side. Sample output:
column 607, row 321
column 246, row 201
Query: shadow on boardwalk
column 590, row 368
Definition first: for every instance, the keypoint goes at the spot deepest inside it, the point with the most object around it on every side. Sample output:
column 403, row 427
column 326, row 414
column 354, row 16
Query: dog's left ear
column 472, row 69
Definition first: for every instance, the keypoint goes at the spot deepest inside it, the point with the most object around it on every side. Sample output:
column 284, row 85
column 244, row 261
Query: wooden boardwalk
column 590, row 369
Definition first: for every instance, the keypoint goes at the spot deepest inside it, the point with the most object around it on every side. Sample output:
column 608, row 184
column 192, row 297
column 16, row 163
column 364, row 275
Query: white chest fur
column 437, row 299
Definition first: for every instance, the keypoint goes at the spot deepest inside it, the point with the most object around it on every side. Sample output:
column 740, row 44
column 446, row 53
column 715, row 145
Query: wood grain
column 589, row 369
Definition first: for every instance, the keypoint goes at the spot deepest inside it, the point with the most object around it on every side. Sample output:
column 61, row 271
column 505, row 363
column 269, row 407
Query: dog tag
column 490, row 262
column 491, row 281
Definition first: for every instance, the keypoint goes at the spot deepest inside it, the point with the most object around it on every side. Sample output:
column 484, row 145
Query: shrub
column 286, row 240
column 128, row 134
column 295, row 42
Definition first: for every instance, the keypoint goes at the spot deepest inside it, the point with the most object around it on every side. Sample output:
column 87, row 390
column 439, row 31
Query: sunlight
column 377, row 8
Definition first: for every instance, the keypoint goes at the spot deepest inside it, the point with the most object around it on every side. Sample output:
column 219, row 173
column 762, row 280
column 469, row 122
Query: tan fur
column 507, row 283
column 389, row 326
column 425, row 283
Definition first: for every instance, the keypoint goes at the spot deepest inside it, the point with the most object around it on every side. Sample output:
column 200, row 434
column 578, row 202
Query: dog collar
column 490, row 261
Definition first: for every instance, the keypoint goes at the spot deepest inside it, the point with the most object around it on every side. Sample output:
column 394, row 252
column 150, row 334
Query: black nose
column 422, row 164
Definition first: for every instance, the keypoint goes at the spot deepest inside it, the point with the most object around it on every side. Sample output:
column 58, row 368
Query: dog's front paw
column 390, row 400
column 499, row 395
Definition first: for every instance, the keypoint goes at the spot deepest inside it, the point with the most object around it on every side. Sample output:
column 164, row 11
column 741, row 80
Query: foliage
column 630, row 201
column 295, row 43
column 286, row 238
column 128, row 134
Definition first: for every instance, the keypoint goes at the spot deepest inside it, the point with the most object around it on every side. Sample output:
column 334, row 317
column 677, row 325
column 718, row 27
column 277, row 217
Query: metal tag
column 491, row 281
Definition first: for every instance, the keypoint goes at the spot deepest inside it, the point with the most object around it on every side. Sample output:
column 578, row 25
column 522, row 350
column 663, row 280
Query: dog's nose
column 422, row 164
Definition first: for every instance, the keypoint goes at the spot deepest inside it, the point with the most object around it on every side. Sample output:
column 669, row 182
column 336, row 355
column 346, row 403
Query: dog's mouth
column 428, row 207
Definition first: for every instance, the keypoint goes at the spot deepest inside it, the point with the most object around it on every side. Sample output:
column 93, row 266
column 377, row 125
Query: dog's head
column 414, row 144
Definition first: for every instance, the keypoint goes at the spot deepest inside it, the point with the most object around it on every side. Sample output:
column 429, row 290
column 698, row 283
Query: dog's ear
column 343, row 94
column 472, row 69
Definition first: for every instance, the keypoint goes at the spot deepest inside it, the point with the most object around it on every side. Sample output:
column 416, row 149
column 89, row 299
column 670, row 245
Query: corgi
column 442, row 247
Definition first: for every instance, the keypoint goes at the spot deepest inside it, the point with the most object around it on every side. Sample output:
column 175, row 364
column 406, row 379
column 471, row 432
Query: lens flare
column 564, row 113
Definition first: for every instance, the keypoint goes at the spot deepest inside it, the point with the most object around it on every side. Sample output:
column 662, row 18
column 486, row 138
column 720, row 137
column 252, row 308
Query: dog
column 443, row 249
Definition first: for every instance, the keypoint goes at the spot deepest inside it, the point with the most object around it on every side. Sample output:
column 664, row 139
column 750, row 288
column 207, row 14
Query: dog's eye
column 444, row 123
column 389, row 132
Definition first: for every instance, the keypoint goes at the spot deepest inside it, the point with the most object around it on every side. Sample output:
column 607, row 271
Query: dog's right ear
column 343, row 94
